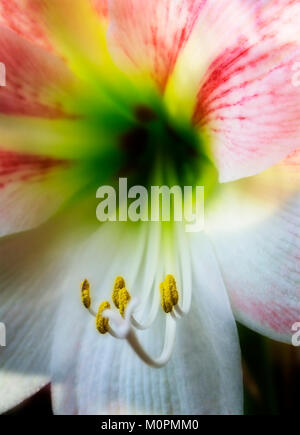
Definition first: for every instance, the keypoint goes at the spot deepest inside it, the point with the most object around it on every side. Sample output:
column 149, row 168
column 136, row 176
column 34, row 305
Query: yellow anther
column 85, row 293
column 118, row 285
column 165, row 302
column 102, row 323
column 124, row 298
column 171, row 284
column 169, row 294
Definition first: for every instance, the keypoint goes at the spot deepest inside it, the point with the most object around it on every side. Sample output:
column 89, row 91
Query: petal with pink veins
column 146, row 36
column 101, row 7
column 235, row 78
column 251, row 108
column 15, row 15
column 37, row 82
column 19, row 16
column 76, row 33
column 33, row 188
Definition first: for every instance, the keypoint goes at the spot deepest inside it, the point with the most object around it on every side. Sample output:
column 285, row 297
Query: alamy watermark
column 296, row 336
column 2, row 74
column 2, row 335
column 160, row 203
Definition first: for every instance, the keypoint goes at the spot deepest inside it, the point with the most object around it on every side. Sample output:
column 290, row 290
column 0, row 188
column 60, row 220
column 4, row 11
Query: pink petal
column 15, row 167
column 37, row 82
column 20, row 16
column 248, row 99
column 257, row 241
column 101, row 7
column 148, row 35
column 32, row 189
column 15, row 15
column 77, row 34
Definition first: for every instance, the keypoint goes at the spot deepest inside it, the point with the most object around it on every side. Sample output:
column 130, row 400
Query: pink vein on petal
column 17, row 17
column 269, row 314
column 18, row 167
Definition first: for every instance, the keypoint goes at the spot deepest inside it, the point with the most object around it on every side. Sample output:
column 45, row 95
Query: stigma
column 121, row 322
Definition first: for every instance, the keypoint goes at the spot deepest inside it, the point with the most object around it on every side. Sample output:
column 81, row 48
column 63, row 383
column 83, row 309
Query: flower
column 153, row 89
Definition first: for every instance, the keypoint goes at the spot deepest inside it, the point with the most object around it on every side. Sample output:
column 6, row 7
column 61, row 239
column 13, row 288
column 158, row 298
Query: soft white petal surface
column 96, row 374
column 27, row 305
column 33, row 269
column 256, row 233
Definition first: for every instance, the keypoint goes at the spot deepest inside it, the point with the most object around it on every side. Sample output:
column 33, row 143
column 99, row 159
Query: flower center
column 158, row 151
column 155, row 152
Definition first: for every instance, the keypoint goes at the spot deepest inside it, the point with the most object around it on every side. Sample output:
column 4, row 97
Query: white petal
column 33, row 267
column 27, row 312
column 256, row 235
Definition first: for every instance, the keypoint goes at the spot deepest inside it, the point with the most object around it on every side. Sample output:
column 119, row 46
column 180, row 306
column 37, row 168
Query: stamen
column 124, row 298
column 124, row 321
column 118, row 285
column 171, row 284
column 120, row 295
column 169, row 294
column 102, row 323
column 85, row 293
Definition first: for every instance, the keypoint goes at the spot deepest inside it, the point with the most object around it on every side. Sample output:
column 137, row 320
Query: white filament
column 125, row 331
column 149, row 284
column 124, row 328
column 185, row 260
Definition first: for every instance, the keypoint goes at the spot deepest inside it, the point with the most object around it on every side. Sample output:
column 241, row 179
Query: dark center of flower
column 158, row 151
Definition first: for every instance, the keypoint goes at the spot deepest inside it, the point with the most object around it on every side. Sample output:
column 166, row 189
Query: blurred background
column 271, row 379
